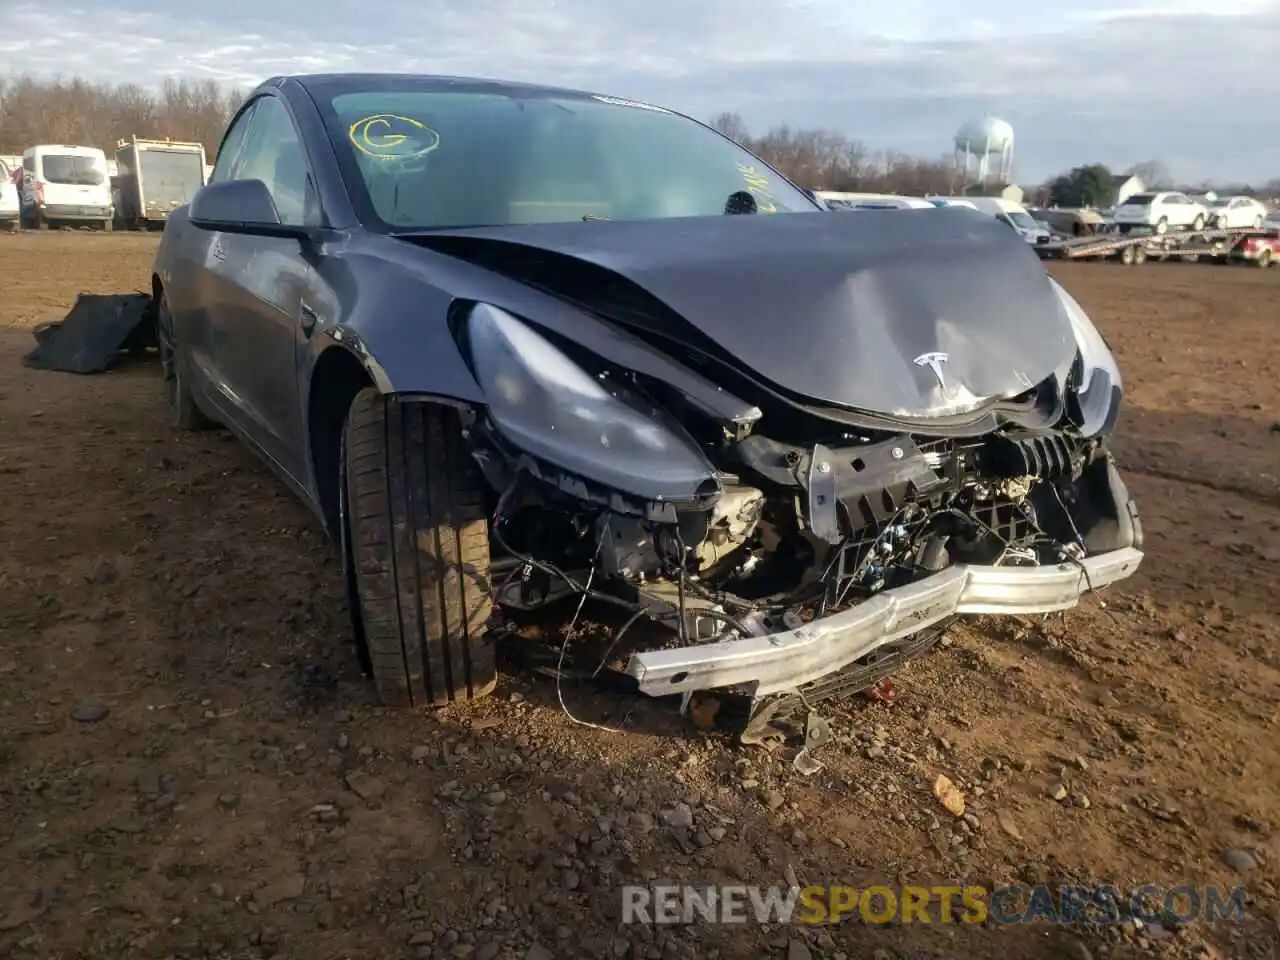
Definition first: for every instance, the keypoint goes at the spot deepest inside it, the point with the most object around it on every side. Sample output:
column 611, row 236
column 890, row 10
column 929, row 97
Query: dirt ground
column 191, row 764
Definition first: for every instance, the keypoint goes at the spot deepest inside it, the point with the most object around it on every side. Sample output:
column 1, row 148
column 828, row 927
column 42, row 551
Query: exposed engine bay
column 800, row 503
column 785, row 534
column 800, row 533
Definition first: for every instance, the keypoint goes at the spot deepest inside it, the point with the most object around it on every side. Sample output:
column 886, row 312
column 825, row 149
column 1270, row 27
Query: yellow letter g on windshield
column 387, row 136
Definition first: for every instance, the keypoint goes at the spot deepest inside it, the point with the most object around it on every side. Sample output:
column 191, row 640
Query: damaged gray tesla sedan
column 515, row 344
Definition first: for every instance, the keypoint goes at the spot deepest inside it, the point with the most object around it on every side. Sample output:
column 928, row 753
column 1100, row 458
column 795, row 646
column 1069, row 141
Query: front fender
column 397, row 327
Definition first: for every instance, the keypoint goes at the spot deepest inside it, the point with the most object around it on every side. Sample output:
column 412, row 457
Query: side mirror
column 239, row 206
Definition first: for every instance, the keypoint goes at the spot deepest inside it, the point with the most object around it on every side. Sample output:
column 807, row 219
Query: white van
column 65, row 184
column 834, row 200
column 1007, row 212
column 10, row 209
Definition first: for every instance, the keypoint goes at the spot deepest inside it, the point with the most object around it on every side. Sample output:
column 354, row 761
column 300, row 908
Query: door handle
column 307, row 319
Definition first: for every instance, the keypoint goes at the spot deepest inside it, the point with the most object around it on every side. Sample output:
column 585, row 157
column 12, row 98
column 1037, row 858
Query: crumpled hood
column 862, row 310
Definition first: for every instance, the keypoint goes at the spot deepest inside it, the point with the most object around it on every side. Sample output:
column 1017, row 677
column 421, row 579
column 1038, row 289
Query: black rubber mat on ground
column 95, row 334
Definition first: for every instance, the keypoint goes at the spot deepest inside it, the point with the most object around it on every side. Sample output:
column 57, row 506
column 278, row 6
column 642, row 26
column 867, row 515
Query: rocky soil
column 191, row 764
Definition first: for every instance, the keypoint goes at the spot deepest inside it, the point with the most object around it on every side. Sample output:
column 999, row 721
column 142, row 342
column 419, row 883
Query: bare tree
column 823, row 159
column 74, row 111
column 1154, row 174
column 731, row 125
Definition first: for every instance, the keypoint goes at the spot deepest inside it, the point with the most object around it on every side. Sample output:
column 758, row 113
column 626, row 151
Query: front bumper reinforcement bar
column 781, row 662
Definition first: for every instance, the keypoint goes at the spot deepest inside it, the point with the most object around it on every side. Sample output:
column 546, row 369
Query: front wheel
column 1198, row 222
column 417, row 538
column 1162, row 225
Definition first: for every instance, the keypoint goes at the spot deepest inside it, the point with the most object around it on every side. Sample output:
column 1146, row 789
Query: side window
column 228, row 153
column 273, row 153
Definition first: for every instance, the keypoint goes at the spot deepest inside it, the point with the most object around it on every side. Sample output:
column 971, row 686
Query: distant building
column 1012, row 192
column 1125, row 186
column 1004, row 191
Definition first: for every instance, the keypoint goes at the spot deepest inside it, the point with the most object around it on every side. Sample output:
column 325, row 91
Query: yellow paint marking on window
column 376, row 136
column 757, row 185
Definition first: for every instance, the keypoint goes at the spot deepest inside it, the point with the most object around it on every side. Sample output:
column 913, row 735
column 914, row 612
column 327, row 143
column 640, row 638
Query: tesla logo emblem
column 934, row 362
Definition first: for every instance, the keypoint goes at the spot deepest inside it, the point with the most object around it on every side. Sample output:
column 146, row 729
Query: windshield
column 432, row 159
column 72, row 169
column 1140, row 200
column 1023, row 221
column 1218, row 203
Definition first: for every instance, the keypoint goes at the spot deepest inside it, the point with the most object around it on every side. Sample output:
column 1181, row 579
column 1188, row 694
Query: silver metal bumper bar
column 783, row 661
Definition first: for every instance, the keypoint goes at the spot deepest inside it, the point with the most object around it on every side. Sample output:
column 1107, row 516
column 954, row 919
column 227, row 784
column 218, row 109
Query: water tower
column 984, row 152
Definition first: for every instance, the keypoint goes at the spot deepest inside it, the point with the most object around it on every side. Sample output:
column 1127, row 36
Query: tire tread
column 419, row 536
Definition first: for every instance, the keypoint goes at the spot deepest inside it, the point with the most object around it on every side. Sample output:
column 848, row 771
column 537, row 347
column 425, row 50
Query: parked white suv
column 1161, row 212
column 1239, row 211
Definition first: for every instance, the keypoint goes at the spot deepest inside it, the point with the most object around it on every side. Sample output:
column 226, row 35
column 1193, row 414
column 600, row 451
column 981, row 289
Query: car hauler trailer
column 155, row 178
column 1261, row 247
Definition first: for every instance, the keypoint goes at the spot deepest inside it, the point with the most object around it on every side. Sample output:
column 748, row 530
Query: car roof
column 330, row 84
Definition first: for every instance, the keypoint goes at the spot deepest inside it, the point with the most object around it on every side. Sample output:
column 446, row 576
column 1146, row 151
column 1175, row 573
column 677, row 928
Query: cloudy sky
column 1189, row 82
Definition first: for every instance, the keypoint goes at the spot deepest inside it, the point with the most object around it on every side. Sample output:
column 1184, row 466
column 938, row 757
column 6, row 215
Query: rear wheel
column 418, row 543
column 183, row 412
column 1198, row 222
column 1162, row 225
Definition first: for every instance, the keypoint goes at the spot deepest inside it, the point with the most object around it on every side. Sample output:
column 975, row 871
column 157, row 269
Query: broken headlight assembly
column 1094, row 403
column 552, row 409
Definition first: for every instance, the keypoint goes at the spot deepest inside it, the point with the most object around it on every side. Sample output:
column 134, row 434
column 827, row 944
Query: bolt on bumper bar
column 779, row 662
